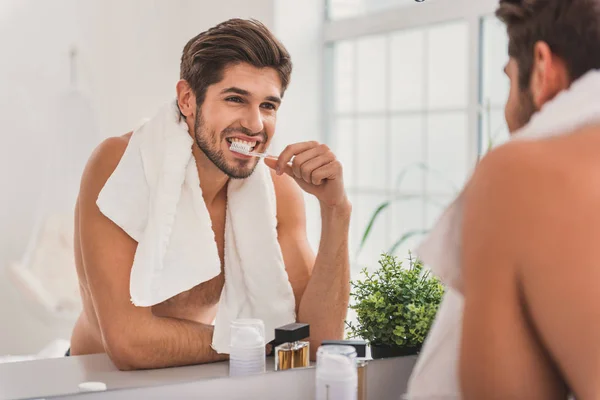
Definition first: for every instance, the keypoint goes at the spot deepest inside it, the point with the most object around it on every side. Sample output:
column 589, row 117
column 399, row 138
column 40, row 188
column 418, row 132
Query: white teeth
column 239, row 147
column 250, row 144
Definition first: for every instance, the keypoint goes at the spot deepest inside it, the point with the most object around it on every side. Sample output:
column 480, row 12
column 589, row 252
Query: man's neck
column 213, row 181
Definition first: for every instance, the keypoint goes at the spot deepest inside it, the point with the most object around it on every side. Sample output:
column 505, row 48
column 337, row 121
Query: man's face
column 520, row 106
column 242, row 107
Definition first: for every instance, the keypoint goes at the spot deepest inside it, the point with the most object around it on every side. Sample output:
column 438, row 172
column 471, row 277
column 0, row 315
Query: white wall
column 299, row 25
column 128, row 65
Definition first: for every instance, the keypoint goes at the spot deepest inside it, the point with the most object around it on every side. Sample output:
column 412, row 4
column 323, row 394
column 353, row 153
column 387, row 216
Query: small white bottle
column 336, row 376
column 247, row 347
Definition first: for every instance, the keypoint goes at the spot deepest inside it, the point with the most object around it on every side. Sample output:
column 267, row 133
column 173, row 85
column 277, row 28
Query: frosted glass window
column 355, row 227
column 344, row 145
column 407, row 70
column 494, row 130
column 371, row 67
column 371, row 161
column 406, row 152
column 447, row 66
column 495, row 83
column 343, row 76
column 407, row 217
column 378, row 239
column 399, row 125
column 447, row 151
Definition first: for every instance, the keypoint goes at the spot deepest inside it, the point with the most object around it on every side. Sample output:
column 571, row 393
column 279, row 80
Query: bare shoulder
column 290, row 200
column 502, row 180
column 559, row 169
column 508, row 164
column 101, row 165
column 528, row 193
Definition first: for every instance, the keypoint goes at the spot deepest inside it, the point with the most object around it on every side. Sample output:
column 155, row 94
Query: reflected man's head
column 551, row 43
column 233, row 78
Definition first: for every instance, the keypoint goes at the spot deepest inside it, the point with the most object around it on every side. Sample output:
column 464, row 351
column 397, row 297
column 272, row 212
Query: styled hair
column 571, row 28
column 232, row 42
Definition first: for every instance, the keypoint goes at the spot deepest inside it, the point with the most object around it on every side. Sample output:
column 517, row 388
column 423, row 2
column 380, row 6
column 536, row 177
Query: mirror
column 392, row 97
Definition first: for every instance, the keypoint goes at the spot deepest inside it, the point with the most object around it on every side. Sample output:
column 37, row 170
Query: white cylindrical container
column 247, row 347
column 336, row 376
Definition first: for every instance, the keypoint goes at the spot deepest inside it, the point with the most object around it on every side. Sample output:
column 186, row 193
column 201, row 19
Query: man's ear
column 549, row 75
column 186, row 100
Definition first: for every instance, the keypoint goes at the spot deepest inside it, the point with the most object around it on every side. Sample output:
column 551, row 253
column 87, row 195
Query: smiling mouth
column 252, row 145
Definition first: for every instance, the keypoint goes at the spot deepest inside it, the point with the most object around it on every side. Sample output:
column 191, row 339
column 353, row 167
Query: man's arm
column 324, row 304
column 530, row 263
column 133, row 337
column 321, row 285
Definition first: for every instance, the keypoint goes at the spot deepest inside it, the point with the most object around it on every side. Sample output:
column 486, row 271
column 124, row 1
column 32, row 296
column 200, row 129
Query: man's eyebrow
column 243, row 92
column 235, row 90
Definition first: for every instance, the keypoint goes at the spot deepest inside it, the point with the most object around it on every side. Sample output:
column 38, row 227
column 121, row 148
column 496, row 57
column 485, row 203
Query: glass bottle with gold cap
column 293, row 352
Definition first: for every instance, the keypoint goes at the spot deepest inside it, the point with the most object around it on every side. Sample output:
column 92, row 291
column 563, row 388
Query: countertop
column 60, row 377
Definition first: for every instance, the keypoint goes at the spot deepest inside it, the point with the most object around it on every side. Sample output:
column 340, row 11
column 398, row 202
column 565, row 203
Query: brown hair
column 571, row 28
column 232, row 42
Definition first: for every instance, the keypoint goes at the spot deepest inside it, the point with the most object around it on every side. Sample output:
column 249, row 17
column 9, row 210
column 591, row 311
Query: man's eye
column 235, row 99
column 268, row 106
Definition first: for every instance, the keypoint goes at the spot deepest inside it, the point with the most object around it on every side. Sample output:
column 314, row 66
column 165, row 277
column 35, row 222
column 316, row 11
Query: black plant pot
column 382, row 351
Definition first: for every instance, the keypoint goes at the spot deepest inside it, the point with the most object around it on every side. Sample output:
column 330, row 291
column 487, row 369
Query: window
column 399, row 104
column 408, row 111
column 494, row 83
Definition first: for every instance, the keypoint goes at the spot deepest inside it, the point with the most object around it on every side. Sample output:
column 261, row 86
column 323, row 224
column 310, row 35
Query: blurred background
column 409, row 94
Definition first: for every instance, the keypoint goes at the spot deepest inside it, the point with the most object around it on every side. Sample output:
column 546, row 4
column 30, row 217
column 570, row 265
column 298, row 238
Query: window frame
column 415, row 16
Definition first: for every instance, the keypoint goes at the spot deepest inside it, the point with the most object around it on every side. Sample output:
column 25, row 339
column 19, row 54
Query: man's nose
column 253, row 120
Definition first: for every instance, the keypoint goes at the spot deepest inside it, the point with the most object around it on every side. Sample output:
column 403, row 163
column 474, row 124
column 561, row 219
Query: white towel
column 154, row 195
column 441, row 249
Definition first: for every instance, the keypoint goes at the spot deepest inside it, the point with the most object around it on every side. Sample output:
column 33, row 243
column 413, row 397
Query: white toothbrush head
column 241, row 148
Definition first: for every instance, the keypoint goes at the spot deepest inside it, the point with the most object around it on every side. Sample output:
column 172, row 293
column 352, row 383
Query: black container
column 381, row 351
column 292, row 333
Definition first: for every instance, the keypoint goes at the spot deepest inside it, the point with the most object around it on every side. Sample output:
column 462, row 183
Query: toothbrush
column 243, row 148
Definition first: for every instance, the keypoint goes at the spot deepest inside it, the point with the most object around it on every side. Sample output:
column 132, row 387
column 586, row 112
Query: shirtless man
column 531, row 229
column 233, row 78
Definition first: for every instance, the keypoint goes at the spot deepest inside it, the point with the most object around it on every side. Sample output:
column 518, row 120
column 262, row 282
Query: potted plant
column 395, row 306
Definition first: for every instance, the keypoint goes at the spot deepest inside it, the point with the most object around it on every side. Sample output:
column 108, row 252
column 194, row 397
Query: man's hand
column 316, row 170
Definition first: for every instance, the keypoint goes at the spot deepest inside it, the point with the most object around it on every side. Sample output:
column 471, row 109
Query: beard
column 526, row 108
column 236, row 169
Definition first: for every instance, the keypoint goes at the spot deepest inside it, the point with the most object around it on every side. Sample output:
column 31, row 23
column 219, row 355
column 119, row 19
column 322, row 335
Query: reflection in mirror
column 132, row 235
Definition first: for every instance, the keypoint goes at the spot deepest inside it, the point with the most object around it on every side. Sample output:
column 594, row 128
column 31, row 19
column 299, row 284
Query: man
column 530, row 260
column 233, row 78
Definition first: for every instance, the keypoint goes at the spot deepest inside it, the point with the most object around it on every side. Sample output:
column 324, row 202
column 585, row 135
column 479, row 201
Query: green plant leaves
column 395, row 305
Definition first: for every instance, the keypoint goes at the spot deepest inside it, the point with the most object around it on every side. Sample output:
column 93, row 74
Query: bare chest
column 197, row 304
